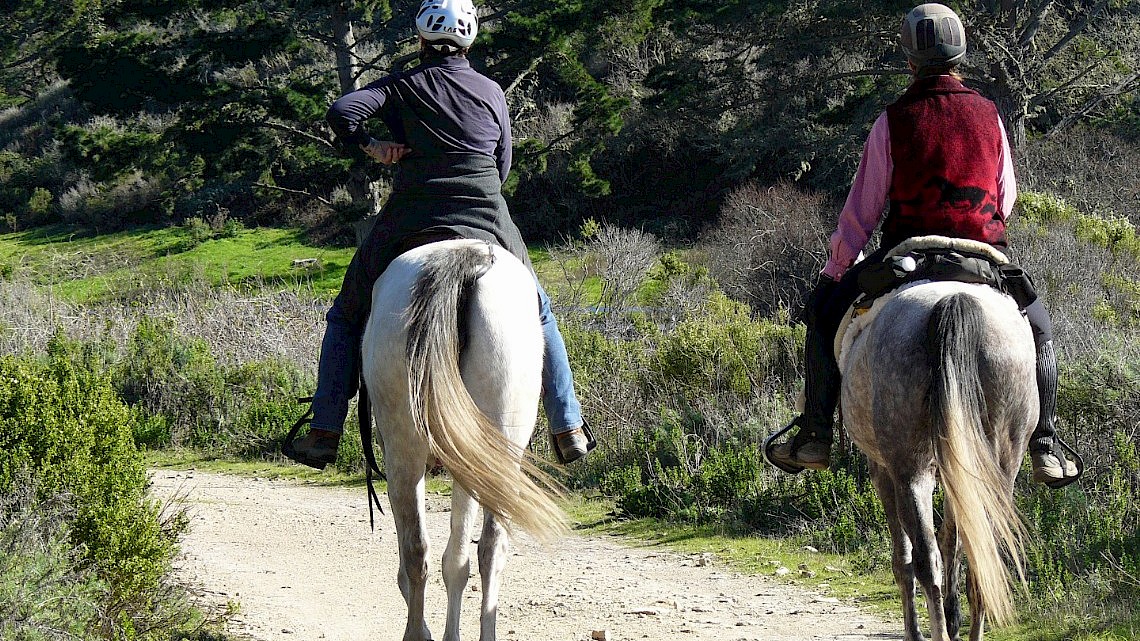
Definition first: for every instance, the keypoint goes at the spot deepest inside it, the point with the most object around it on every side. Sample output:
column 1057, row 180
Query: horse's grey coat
column 897, row 412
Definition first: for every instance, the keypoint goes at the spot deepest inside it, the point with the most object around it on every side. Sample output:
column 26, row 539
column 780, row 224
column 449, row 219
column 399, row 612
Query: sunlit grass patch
column 85, row 268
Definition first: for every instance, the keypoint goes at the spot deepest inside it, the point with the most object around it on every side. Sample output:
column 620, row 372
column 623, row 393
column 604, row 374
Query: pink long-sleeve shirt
column 867, row 199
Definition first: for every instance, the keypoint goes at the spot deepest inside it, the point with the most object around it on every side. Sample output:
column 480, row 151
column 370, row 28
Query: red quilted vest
column 946, row 149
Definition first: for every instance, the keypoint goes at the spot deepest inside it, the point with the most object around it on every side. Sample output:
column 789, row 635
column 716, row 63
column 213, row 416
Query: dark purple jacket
column 456, row 124
column 441, row 106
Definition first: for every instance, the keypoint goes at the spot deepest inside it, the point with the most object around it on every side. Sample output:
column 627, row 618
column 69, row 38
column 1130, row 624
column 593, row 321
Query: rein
column 371, row 469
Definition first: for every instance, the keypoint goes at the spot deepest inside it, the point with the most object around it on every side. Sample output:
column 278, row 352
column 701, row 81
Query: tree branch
column 299, row 192
column 268, row 124
column 526, row 72
column 884, row 71
column 1075, row 29
column 1127, row 85
column 1033, row 24
column 1041, row 98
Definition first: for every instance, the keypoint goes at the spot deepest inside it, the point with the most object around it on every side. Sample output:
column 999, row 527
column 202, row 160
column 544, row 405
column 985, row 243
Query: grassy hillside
column 83, row 267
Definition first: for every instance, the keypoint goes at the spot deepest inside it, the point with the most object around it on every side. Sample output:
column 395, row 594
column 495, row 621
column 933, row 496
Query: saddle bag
column 944, row 265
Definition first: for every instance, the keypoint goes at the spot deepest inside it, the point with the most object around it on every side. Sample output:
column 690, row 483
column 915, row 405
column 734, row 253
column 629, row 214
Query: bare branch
column 299, row 192
column 1041, row 98
column 885, row 71
column 1075, row 29
column 1127, row 85
column 1033, row 24
column 268, row 124
column 526, row 72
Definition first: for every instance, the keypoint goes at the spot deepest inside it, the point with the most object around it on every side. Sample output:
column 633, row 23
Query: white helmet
column 448, row 22
column 932, row 36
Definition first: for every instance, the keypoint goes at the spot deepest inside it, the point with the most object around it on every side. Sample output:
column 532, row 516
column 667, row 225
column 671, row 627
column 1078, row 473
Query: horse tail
column 474, row 450
column 976, row 488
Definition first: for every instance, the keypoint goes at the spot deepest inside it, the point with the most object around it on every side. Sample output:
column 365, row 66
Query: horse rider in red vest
column 937, row 161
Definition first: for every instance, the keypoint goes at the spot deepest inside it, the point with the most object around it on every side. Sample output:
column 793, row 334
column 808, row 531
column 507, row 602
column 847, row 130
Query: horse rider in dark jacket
column 451, row 152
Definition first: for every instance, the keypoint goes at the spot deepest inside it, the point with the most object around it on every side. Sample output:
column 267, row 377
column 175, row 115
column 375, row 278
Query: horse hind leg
column 901, row 551
column 457, row 557
column 916, row 512
column 977, row 608
column 494, row 548
column 406, row 494
column 951, row 547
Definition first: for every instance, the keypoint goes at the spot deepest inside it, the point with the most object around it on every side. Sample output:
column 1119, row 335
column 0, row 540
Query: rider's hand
column 385, row 151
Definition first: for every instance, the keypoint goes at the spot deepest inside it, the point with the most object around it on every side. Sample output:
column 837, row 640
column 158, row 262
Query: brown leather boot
column 315, row 449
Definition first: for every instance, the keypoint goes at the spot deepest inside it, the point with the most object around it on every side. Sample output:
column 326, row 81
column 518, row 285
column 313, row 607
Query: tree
column 30, row 33
column 245, row 89
column 1050, row 63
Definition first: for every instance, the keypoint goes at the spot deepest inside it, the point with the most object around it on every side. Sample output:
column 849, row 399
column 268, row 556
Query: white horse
column 941, row 385
column 452, row 358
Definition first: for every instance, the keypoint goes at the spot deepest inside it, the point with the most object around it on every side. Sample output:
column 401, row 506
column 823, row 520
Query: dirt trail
column 303, row 565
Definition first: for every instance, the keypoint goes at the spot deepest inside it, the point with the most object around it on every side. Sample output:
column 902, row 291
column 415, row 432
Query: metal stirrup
column 770, row 443
column 1080, row 463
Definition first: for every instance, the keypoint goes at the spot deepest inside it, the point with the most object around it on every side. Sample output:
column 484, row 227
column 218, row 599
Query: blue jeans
column 338, row 372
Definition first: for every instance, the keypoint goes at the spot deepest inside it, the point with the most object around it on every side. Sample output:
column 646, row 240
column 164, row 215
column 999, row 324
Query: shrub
column 62, row 424
column 769, row 244
column 175, row 378
column 39, row 205
column 189, row 399
column 37, row 567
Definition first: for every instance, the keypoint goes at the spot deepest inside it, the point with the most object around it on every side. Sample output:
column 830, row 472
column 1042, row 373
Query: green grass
column 82, row 267
column 85, row 268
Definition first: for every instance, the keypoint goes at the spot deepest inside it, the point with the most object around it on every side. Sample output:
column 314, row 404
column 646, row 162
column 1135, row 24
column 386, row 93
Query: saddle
column 932, row 258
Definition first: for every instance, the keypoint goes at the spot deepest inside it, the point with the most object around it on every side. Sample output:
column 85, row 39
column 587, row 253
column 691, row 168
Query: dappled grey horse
column 939, row 385
column 452, row 358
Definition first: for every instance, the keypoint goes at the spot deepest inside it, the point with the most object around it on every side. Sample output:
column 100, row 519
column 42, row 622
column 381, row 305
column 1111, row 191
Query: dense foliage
column 645, row 113
column 67, row 437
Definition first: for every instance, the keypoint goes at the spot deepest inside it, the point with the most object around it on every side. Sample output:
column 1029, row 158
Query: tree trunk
column 1012, row 111
column 345, row 39
column 365, row 193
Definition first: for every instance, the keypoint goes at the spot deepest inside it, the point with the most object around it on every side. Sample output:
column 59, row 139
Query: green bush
column 722, row 350
column 37, row 567
column 62, row 424
column 174, row 378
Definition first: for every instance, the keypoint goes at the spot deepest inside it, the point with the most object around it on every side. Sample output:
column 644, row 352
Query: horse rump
column 460, row 304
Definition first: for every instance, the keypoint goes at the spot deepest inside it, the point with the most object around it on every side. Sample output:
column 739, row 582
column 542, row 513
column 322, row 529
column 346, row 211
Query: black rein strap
column 371, row 469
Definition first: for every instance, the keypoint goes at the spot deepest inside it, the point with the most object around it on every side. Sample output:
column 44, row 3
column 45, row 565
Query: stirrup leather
column 287, row 448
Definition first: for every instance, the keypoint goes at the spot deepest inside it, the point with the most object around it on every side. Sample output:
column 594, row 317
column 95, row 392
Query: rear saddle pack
column 938, row 258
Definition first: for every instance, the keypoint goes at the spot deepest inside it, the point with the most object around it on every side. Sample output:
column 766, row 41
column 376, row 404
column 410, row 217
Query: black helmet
column 933, row 37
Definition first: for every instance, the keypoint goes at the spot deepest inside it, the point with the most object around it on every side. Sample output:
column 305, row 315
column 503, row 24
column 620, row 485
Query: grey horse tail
column 480, row 458
column 976, row 488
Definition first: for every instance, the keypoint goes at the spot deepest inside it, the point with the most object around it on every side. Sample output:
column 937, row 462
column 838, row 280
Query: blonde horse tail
column 976, row 488
column 474, row 450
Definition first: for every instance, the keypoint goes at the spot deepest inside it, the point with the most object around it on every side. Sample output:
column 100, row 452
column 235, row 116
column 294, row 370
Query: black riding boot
column 1050, row 466
column 811, row 445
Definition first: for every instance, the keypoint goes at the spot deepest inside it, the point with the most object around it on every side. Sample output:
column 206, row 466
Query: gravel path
column 302, row 563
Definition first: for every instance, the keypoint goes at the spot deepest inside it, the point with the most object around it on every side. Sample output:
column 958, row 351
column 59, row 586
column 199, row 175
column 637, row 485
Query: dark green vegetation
column 144, row 112
column 162, row 164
